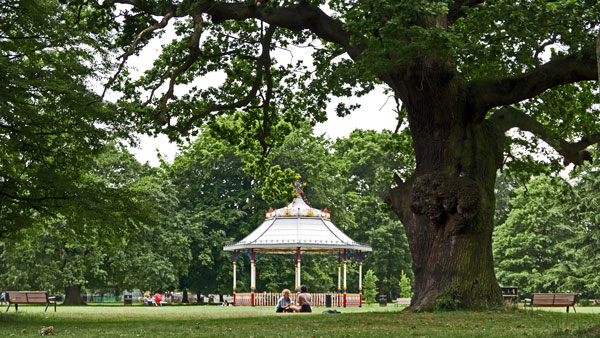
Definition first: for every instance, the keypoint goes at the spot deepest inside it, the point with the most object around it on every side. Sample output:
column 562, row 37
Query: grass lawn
column 370, row 321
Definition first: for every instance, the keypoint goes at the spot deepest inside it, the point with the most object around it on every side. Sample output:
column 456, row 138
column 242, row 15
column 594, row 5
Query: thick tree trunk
column 185, row 296
column 447, row 206
column 73, row 295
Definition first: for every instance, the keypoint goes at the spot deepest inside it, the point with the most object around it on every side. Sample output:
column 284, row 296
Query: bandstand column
column 234, row 275
column 252, row 276
column 345, row 273
column 339, row 278
column 360, row 290
column 298, row 269
column 296, row 275
column 339, row 272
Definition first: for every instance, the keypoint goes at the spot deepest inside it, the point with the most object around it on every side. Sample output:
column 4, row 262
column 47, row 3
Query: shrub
column 405, row 286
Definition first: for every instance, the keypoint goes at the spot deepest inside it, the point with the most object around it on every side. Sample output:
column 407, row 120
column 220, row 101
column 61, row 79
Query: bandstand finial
column 298, row 189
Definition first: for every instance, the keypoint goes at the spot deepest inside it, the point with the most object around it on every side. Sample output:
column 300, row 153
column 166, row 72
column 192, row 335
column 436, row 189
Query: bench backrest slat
column 16, row 297
column 543, row 299
column 27, row 297
column 551, row 299
column 561, row 299
column 36, row 297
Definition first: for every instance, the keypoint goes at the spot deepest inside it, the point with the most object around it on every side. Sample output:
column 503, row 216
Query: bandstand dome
column 297, row 225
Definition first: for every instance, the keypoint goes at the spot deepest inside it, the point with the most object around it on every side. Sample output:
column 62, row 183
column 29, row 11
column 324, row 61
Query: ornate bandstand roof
column 297, row 225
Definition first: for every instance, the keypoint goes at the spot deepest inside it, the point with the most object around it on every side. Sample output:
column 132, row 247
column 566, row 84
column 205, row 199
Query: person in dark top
column 302, row 301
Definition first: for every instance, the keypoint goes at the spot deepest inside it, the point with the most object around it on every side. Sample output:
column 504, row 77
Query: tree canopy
column 544, row 242
column 52, row 125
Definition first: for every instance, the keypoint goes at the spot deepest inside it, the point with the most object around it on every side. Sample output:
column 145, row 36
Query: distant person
column 148, row 300
column 225, row 303
column 302, row 301
column 3, row 297
column 158, row 299
column 284, row 303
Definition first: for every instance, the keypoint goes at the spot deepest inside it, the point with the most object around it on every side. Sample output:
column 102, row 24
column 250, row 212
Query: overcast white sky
column 367, row 117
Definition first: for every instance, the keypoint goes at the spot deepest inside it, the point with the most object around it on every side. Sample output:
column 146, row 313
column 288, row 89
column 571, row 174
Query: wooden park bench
column 401, row 301
column 29, row 297
column 553, row 300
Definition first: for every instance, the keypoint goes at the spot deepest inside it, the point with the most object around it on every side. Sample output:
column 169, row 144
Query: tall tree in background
column 367, row 161
column 156, row 251
column 72, row 251
column 586, row 211
column 50, row 129
column 533, row 248
column 218, row 203
column 465, row 71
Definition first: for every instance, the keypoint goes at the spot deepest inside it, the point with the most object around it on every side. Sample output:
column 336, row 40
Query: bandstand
column 298, row 229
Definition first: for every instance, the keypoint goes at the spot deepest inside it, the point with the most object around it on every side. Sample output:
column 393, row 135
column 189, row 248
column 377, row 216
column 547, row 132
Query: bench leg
column 46, row 309
column 16, row 307
column 567, row 309
column 574, row 310
column 8, row 307
column 55, row 306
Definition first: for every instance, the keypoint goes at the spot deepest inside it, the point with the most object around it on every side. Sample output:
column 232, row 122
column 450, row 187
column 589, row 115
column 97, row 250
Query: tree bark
column 73, row 295
column 447, row 206
column 185, row 296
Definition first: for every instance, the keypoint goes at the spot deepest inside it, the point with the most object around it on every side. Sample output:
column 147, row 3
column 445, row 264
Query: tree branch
column 194, row 46
column 456, row 10
column 509, row 117
column 159, row 25
column 135, row 3
column 261, row 61
column 598, row 58
column 296, row 18
column 266, row 107
column 486, row 93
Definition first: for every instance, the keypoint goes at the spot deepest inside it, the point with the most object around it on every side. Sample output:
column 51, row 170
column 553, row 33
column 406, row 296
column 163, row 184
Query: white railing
column 318, row 299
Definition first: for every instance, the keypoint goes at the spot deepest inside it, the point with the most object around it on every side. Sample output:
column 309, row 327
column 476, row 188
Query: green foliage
column 584, row 302
column 218, row 203
column 135, row 245
column 586, row 213
column 50, row 128
column 530, row 248
column 546, row 234
column 448, row 301
column 279, row 184
column 405, row 286
column 370, row 286
column 368, row 160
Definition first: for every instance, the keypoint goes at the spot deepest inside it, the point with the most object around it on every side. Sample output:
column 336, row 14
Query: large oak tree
column 463, row 72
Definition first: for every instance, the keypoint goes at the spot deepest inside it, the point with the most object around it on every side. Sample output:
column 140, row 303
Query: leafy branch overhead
column 354, row 45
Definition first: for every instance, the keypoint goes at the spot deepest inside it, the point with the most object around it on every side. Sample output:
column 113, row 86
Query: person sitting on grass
column 158, row 299
column 302, row 301
column 284, row 303
column 148, row 300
